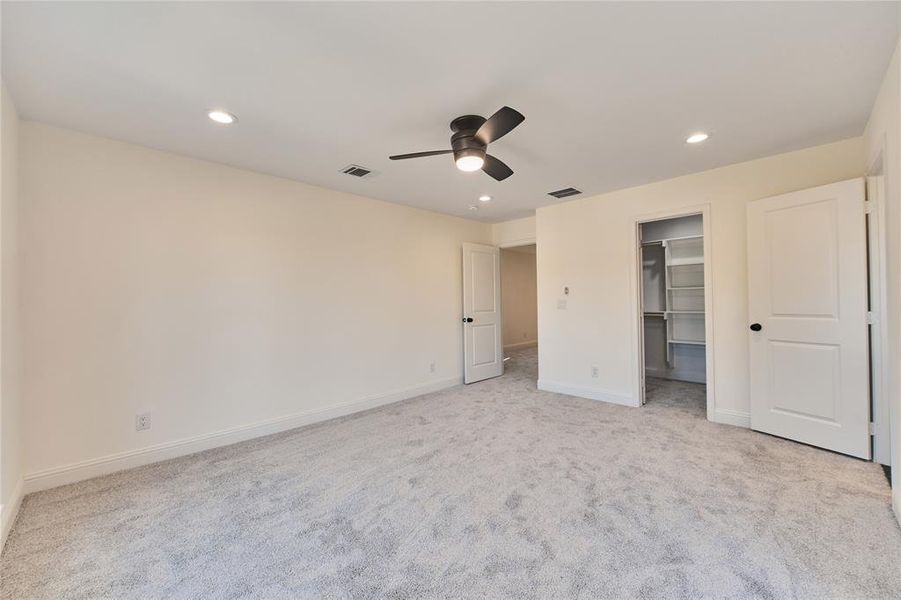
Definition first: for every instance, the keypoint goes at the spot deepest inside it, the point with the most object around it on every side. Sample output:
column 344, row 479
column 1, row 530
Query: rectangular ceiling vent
column 356, row 171
column 565, row 192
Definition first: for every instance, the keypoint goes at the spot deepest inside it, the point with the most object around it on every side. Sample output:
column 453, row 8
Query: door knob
column 467, row 319
column 756, row 326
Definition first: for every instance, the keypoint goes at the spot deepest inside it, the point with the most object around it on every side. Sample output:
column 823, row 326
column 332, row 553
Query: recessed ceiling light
column 697, row 138
column 484, row 198
column 473, row 207
column 220, row 116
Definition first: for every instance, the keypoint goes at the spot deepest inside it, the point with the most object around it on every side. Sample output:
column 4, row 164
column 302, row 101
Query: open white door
column 807, row 282
column 483, row 349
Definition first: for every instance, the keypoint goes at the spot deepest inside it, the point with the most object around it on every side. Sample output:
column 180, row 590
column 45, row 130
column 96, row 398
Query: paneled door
column 483, row 350
column 807, row 292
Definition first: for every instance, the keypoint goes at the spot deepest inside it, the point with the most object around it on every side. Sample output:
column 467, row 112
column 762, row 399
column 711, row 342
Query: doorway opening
column 519, row 309
column 674, row 313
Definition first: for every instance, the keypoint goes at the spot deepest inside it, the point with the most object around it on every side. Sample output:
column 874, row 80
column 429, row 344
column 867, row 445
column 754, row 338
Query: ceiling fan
column 469, row 142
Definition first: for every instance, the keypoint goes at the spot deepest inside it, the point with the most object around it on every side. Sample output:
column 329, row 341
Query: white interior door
column 807, row 282
column 483, row 349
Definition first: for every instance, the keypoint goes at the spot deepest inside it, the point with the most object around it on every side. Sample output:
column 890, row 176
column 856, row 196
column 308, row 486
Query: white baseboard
column 519, row 345
column 57, row 476
column 9, row 511
column 586, row 392
column 728, row 416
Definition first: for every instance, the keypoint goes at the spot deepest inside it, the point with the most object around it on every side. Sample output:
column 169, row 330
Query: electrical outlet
column 142, row 422
column 431, row 367
column 561, row 304
column 594, row 371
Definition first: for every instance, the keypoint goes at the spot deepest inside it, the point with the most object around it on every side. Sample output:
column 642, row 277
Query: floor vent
column 565, row 192
column 356, row 171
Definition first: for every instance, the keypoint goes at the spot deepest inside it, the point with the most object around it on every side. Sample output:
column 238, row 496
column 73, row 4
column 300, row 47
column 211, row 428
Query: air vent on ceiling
column 356, row 171
column 565, row 192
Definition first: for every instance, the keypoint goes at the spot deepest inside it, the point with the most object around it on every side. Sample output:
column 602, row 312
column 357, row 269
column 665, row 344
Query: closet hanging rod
column 674, row 239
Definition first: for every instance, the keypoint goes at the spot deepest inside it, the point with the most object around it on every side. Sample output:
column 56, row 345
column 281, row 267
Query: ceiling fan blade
column 420, row 154
column 498, row 125
column 496, row 168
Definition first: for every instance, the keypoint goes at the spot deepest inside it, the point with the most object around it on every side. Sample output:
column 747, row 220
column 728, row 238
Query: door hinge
column 872, row 428
column 868, row 207
column 871, row 318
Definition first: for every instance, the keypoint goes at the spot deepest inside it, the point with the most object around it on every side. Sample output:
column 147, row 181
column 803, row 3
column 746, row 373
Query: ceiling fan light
column 470, row 162
column 469, row 159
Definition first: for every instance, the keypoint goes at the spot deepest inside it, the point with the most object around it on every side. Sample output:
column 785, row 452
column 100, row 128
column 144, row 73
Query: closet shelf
column 685, row 287
column 685, row 312
column 684, row 262
column 687, row 342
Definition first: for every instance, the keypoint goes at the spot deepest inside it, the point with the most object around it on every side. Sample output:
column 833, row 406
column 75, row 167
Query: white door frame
column 638, row 317
column 881, row 415
column 520, row 242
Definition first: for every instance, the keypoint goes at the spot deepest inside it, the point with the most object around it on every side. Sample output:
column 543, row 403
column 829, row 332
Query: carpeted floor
column 487, row 491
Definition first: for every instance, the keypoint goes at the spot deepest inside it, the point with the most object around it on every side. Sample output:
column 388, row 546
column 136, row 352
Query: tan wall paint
column 10, row 408
column 883, row 135
column 514, row 233
column 588, row 245
column 215, row 297
column 519, row 298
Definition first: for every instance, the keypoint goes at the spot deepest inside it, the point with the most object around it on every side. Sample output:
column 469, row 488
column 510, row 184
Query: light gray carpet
column 492, row 490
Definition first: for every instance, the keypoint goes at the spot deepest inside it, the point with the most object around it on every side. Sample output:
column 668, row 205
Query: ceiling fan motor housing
column 463, row 140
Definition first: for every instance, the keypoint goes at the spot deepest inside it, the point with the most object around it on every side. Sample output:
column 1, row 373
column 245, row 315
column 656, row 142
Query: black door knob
column 467, row 319
column 756, row 326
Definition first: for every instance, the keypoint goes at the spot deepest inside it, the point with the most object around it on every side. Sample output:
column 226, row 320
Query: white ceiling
column 609, row 91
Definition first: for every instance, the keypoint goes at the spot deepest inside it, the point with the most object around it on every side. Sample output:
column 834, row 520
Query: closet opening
column 673, row 315
column 519, row 310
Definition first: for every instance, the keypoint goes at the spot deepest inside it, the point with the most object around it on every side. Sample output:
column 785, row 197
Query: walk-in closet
column 672, row 258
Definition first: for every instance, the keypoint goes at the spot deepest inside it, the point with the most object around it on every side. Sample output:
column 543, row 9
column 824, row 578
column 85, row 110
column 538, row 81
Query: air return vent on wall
column 356, row 171
column 565, row 192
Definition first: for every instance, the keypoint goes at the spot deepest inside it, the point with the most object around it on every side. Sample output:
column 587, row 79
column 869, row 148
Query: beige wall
column 519, row 297
column 225, row 302
column 589, row 246
column 513, row 233
column 10, row 422
column 883, row 137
